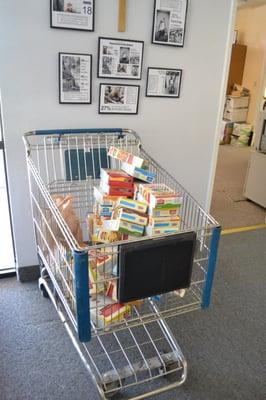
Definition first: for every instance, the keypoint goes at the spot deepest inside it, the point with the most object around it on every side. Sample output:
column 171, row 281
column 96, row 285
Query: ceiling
column 250, row 3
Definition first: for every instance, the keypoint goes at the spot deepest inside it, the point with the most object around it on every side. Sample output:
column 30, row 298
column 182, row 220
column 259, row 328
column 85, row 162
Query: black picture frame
column 177, row 35
column 64, row 14
column 128, row 45
column 62, row 100
column 162, row 73
column 108, row 106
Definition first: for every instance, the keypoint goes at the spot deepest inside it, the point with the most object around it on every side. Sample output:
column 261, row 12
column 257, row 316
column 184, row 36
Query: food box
column 129, row 216
column 116, row 177
column 117, row 190
column 134, row 205
column 118, row 225
column 138, row 173
column 129, row 158
column 105, row 311
column 164, row 222
column 150, row 231
column 107, row 236
column 103, row 198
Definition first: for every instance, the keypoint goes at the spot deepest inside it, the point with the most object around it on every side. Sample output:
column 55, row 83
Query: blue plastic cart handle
column 76, row 131
column 211, row 267
column 82, row 295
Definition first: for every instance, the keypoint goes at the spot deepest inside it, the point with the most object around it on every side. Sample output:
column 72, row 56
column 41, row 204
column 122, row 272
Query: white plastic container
column 233, row 102
column 236, row 114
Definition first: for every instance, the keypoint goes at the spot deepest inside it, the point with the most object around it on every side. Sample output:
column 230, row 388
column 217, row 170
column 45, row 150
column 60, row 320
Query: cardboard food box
column 111, row 289
column 103, row 210
column 138, row 173
column 118, row 225
column 94, row 224
column 129, row 158
column 117, row 190
column 107, row 236
column 150, row 231
column 161, row 223
column 105, row 312
column 160, row 196
column 129, row 216
column 164, row 212
column 102, row 261
column 103, row 198
column 116, row 177
column 133, row 205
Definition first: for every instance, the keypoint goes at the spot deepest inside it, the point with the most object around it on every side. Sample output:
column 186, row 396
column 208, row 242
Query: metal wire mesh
column 70, row 165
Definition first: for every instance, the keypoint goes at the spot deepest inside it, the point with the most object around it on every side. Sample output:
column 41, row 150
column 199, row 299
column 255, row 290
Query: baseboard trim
column 28, row 273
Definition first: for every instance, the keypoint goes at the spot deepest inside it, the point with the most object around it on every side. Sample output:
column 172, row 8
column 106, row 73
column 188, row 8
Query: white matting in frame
column 118, row 98
column 163, row 82
column 75, row 78
column 119, row 58
column 72, row 14
column 169, row 22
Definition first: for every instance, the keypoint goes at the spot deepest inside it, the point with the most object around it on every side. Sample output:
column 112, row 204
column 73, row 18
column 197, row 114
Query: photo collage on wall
column 118, row 58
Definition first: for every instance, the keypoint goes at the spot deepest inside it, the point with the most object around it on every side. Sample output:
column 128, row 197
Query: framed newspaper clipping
column 169, row 22
column 119, row 58
column 75, row 78
column 163, row 82
column 118, row 98
column 72, row 14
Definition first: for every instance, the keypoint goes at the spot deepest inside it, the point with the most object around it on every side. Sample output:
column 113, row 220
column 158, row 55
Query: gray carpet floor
column 229, row 206
column 225, row 346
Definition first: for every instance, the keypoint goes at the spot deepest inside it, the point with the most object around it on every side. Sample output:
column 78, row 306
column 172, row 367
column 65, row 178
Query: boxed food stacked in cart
column 127, row 205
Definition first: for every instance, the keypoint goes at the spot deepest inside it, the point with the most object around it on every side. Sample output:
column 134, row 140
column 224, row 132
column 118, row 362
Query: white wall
column 180, row 133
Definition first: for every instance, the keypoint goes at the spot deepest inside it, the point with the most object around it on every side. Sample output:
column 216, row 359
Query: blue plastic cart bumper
column 211, row 267
column 81, row 280
column 77, row 131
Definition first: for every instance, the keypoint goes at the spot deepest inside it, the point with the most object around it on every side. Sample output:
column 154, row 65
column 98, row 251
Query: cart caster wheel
column 170, row 368
column 43, row 291
column 114, row 386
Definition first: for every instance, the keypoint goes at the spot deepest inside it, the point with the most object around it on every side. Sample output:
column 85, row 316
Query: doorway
column 229, row 204
column 7, row 259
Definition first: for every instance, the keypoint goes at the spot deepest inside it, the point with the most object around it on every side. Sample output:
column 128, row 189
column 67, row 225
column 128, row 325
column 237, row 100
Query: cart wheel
column 114, row 386
column 169, row 366
column 43, row 291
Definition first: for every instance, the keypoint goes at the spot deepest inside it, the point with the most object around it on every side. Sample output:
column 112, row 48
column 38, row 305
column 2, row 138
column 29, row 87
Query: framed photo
column 119, row 58
column 72, row 14
column 163, row 82
column 75, row 78
column 118, row 98
column 169, row 22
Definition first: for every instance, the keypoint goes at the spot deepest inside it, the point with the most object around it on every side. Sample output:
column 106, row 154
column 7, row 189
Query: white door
column 7, row 262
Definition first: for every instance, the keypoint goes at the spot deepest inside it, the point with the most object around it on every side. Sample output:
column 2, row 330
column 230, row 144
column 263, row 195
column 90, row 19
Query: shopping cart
column 133, row 354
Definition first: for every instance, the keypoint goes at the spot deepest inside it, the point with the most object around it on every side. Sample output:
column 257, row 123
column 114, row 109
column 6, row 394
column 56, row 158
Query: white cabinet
column 236, row 108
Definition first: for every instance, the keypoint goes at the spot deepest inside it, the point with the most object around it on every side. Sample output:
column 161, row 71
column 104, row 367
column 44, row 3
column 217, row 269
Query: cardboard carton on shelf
column 236, row 114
